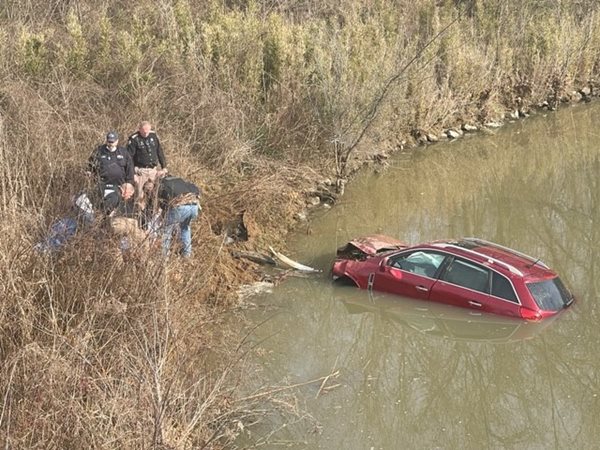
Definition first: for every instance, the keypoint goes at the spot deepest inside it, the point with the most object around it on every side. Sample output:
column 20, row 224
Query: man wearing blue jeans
column 179, row 201
column 181, row 215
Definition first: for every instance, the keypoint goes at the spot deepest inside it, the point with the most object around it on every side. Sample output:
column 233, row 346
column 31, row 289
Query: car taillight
column 529, row 314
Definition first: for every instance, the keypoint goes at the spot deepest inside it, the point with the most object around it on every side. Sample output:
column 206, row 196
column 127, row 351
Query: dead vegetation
column 254, row 101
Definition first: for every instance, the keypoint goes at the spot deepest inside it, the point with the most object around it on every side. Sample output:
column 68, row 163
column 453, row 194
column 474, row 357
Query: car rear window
column 550, row 295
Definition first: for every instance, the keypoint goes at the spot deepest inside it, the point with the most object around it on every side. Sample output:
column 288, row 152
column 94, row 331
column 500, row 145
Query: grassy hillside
column 254, row 101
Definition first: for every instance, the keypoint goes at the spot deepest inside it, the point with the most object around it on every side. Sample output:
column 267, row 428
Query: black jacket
column 146, row 151
column 171, row 187
column 112, row 167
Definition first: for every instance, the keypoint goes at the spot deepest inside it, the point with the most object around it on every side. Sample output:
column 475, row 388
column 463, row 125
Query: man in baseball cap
column 113, row 167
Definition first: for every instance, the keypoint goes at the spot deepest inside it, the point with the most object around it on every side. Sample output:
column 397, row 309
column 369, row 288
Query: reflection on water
column 415, row 375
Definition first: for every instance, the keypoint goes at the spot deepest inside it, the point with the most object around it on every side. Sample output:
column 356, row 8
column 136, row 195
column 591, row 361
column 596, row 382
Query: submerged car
column 469, row 272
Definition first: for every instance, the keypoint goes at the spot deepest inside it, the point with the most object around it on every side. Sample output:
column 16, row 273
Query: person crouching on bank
column 180, row 205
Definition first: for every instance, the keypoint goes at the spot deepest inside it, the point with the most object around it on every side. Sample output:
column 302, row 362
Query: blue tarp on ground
column 59, row 234
column 65, row 228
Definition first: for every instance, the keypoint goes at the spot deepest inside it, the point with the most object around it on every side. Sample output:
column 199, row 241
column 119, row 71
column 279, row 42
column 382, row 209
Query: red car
column 469, row 272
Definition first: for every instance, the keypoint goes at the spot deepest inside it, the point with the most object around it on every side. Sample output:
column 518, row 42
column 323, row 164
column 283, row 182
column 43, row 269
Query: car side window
column 502, row 288
column 466, row 274
column 421, row 262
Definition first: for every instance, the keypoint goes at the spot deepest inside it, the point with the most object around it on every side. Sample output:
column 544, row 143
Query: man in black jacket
column 113, row 167
column 147, row 154
column 179, row 202
column 145, row 149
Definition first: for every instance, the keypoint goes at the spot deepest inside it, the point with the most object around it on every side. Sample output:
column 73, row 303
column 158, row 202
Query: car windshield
column 550, row 295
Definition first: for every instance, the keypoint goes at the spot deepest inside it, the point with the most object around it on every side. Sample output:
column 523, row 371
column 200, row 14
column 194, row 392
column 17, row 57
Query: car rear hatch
column 550, row 294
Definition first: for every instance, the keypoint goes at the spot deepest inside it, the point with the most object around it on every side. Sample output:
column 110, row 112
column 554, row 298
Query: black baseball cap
column 111, row 137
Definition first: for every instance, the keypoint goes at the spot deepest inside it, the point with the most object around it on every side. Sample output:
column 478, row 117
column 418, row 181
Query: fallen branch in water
column 293, row 386
column 284, row 260
column 254, row 257
column 322, row 388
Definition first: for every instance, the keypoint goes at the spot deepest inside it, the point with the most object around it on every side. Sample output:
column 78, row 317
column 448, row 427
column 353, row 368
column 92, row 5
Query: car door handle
column 421, row 288
column 475, row 304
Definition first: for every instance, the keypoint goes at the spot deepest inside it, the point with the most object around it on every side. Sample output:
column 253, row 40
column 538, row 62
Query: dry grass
column 255, row 102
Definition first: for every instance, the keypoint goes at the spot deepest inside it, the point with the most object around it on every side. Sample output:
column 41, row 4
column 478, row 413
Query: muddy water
column 412, row 375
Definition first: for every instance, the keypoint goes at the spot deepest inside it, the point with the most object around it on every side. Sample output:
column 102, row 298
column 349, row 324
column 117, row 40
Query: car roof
column 503, row 259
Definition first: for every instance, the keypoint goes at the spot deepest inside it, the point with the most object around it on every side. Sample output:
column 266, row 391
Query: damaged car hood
column 372, row 244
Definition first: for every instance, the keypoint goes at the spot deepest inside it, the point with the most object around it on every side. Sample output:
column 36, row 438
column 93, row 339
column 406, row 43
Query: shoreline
column 327, row 190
